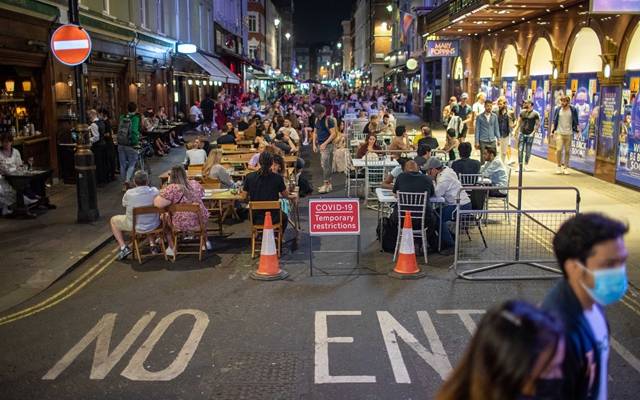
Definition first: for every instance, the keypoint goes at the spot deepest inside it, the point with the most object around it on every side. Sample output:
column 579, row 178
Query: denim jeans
column 128, row 157
column 445, row 234
column 524, row 148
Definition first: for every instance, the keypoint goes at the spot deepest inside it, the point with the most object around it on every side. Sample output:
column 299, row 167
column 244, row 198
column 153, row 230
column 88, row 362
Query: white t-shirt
column 196, row 156
column 141, row 196
column 293, row 134
column 601, row 333
column 10, row 163
column 564, row 121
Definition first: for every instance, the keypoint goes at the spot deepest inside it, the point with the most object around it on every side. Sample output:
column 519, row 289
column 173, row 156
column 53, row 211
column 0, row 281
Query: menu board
column 585, row 98
column 539, row 87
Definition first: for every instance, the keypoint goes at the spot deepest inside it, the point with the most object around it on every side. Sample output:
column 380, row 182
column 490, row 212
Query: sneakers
column 325, row 189
column 207, row 246
column 558, row 171
column 565, row 171
column 124, row 253
column 169, row 252
column 29, row 201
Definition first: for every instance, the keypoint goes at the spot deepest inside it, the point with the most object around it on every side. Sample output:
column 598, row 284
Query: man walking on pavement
column 463, row 110
column 322, row 138
column 487, row 130
column 128, row 140
column 526, row 128
column 506, row 121
column 565, row 124
column 591, row 252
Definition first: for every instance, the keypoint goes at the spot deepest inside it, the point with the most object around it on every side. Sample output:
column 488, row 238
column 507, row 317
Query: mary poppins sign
column 443, row 48
column 615, row 6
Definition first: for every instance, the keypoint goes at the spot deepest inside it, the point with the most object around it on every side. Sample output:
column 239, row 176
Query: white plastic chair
column 416, row 204
column 503, row 200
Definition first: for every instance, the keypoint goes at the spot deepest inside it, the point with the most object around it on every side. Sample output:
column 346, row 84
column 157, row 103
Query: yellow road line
column 631, row 307
column 63, row 292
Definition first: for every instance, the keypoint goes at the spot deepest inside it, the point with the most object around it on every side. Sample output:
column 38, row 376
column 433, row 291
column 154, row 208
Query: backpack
column 389, row 234
column 124, row 130
column 101, row 130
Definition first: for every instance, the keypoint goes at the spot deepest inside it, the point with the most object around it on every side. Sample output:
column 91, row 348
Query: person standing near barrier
column 465, row 113
column 565, row 124
column 447, row 186
column 322, row 138
column 487, row 129
column 526, row 127
column 506, row 121
column 591, row 252
column 516, row 353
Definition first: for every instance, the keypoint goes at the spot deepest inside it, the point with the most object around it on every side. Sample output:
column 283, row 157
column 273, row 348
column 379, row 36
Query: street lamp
column 276, row 22
column 389, row 7
column 339, row 45
column 287, row 35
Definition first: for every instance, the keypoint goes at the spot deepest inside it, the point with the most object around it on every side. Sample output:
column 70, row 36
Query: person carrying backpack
column 128, row 141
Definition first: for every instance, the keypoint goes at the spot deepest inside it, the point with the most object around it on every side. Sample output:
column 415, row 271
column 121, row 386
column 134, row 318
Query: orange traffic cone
column 269, row 267
column 407, row 265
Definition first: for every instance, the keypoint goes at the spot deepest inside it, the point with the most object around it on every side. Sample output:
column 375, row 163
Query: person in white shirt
column 195, row 115
column 290, row 131
column 447, row 186
column 195, row 155
column 141, row 195
column 94, row 129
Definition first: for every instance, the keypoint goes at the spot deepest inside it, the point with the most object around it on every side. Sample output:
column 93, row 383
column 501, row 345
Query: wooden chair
column 256, row 229
column 176, row 234
column 229, row 147
column 139, row 237
column 215, row 208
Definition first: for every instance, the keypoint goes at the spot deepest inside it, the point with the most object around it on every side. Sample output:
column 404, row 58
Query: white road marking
column 465, row 317
column 136, row 371
column 103, row 361
column 625, row 354
column 391, row 330
column 70, row 44
column 322, row 341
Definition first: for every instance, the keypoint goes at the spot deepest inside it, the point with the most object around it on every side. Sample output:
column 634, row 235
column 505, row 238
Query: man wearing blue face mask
column 590, row 250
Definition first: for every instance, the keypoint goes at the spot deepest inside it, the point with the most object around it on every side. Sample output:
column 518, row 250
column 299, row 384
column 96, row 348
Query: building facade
column 546, row 49
column 347, row 46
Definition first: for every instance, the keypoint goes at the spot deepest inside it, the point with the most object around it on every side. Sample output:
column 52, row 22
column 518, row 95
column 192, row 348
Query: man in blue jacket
column 591, row 252
column 487, row 129
column 565, row 124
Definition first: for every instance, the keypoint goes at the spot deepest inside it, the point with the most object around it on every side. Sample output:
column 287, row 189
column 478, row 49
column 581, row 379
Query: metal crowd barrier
column 525, row 239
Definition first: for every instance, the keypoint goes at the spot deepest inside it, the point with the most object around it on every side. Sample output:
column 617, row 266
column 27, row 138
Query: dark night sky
column 319, row 20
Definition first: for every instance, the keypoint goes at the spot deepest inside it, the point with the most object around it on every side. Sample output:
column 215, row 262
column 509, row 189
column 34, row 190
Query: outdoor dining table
column 164, row 177
column 387, row 199
column 20, row 180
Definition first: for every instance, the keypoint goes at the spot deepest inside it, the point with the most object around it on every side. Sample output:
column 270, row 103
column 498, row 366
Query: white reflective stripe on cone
column 268, row 243
column 406, row 243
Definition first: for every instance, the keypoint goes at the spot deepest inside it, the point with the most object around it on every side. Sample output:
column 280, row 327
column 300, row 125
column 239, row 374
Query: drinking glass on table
column 30, row 163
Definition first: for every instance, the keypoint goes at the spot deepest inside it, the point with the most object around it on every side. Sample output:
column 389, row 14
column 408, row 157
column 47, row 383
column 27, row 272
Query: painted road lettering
column 103, row 361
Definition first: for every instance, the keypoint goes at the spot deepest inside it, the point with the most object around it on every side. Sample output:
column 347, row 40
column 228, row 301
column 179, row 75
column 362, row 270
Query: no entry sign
column 334, row 217
column 71, row 44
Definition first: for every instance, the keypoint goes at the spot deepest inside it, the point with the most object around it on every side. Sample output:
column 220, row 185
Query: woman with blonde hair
column 182, row 190
column 214, row 170
column 340, row 151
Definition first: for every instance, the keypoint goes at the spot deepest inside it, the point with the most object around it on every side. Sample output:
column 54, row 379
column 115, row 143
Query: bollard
column 86, row 192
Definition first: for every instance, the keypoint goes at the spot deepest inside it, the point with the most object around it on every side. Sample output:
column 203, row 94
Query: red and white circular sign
column 71, row 44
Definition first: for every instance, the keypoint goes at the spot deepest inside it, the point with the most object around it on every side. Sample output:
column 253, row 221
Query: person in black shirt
column 264, row 185
column 424, row 152
column 413, row 181
column 428, row 138
column 465, row 165
column 227, row 138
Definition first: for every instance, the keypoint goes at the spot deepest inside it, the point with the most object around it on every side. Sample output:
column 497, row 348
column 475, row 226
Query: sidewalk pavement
column 37, row 252
column 596, row 196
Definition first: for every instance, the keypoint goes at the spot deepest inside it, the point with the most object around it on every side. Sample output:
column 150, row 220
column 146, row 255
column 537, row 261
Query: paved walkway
column 37, row 252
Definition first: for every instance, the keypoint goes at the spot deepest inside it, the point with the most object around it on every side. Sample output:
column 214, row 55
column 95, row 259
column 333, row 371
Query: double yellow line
column 64, row 293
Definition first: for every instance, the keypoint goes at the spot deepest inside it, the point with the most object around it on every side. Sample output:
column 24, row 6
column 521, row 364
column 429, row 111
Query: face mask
column 610, row 285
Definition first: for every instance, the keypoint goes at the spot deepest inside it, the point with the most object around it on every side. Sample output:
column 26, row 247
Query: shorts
column 122, row 223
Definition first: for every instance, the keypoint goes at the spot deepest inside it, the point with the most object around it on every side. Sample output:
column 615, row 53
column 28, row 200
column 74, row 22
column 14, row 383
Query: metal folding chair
column 416, row 204
column 374, row 176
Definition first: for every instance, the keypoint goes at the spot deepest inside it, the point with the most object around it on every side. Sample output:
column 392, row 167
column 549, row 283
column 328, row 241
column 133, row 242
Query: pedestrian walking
column 322, row 138
column 565, row 125
column 128, row 140
column 526, row 128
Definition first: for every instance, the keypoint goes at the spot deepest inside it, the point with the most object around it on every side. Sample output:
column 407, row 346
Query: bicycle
column 144, row 151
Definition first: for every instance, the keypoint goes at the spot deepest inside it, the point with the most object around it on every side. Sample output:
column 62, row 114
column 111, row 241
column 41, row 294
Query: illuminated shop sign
column 443, row 48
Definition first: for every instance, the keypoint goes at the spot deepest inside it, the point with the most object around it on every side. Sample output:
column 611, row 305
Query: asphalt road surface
column 205, row 330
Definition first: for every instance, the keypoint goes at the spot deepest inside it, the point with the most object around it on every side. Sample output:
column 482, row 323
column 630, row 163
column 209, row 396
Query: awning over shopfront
column 475, row 17
column 215, row 68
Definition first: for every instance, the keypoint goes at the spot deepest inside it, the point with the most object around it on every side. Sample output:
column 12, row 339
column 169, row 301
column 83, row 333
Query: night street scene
column 320, row 200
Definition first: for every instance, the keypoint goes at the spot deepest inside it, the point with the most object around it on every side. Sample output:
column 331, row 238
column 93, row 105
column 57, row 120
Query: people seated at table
column 389, row 179
column 494, row 169
column 423, row 154
column 265, row 185
column 400, row 141
column 466, row 165
column 214, row 170
column 268, row 129
column 149, row 123
column 182, row 190
column 284, row 143
column 229, row 136
column 291, row 132
column 386, row 126
column 372, row 125
column 96, row 137
column 250, row 132
column 448, row 186
column 369, row 147
column 195, row 155
column 142, row 195
column 411, row 180
column 425, row 137
column 451, row 144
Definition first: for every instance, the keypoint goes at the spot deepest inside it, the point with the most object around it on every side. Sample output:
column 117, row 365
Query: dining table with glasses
column 386, row 200
column 22, row 179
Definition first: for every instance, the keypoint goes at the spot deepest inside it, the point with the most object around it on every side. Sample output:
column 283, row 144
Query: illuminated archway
column 541, row 57
column 585, row 52
column 509, row 65
column 485, row 65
